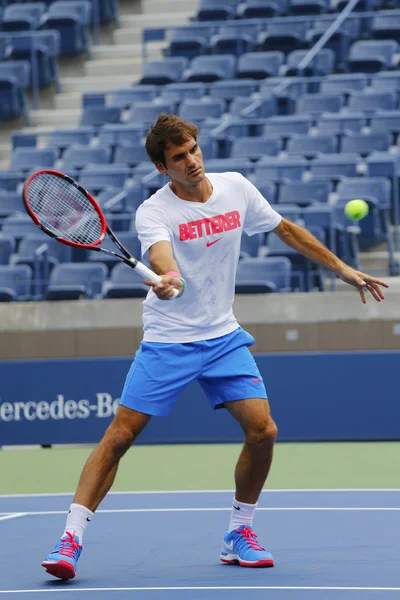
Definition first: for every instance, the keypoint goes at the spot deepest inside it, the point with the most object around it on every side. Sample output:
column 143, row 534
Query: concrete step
column 71, row 100
column 127, row 51
column 5, row 152
column 376, row 262
column 155, row 7
column 98, row 83
column 56, row 118
column 114, row 67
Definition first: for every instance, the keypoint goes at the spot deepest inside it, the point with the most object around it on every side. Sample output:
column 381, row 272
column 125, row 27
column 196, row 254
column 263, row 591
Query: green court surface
column 208, row 467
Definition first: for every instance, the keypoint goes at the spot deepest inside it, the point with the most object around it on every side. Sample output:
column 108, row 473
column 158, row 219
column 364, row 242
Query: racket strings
column 64, row 209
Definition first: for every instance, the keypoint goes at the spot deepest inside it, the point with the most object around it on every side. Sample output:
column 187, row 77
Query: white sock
column 241, row 515
column 77, row 519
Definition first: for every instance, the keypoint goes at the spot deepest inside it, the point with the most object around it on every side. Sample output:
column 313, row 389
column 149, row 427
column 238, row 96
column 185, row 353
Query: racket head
column 63, row 209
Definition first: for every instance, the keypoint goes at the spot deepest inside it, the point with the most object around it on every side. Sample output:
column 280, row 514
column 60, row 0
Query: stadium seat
column 284, row 37
column 160, row 72
column 47, row 46
column 190, row 41
column 335, row 166
column 388, row 81
column 372, row 56
column 10, row 180
column 179, row 92
column 386, row 121
column 128, row 239
column 386, row 26
column 95, row 178
column 124, row 97
column 25, row 159
column 364, row 144
column 311, row 145
column 71, row 20
column 322, row 64
column 315, row 104
column 130, row 153
column 259, row 65
column 236, row 39
column 344, row 83
column 255, row 147
column 23, row 16
column 305, row 193
column 229, row 89
column 125, row 283
column 211, row 68
column 292, row 212
column 216, row 10
column 146, row 113
column 288, row 125
column 7, row 246
column 369, row 102
column 250, row 245
column 59, row 139
column 323, row 216
column 308, row 7
column 10, row 202
column 268, row 189
column 97, row 116
column 223, row 165
column 263, row 275
column 14, row 80
column 262, row 110
column 19, row 226
column 71, row 281
column 117, row 134
column 195, row 111
column 15, row 283
column 55, row 252
column 340, row 41
column 208, row 145
column 339, row 123
column 78, row 156
column 280, row 169
column 261, row 9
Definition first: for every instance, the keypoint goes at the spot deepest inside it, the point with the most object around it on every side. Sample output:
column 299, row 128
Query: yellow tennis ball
column 356, row 209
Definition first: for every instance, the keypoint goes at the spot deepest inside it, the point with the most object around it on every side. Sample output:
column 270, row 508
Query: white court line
column 155, row 492
column 6, row 516
column 205, row 588
column 219, row 509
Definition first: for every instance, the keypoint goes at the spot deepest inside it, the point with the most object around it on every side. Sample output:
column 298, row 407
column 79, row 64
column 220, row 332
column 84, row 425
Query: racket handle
column 147, row 273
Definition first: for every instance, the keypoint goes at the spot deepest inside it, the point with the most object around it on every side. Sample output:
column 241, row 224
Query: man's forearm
column 306, row 243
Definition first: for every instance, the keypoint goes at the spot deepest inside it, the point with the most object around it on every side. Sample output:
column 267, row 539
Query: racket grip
column 147, row 273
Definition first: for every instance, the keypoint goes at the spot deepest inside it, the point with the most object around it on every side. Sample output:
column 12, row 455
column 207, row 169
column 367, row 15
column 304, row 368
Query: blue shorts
column 224, row 367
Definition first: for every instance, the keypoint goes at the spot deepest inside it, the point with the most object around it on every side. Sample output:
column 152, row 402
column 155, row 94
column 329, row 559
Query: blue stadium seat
column 311, row 145
column 372, row 56
column 386, row 121
column 97, row 116
column 231, row 88
column 20, row 70
column 55, row 252
column 323, row 216
column 339, row 123
column 14, row 80
column 268, row 189
column 190, row 41
column 286, row 90
column 261, row 9
column 340, row 41
column 78, row 156
column 125, row 283
column 344, row 83
column 369, row 102
column 116, row 134
column 71, row 281
column 315, row 104
column 284, row 37
column 386, row 26
column 280, row 169
column 308, row 7
column 217, row 10
column 237, row 39
column 59, row 139
column 15, row 283
column 268, row 107
column 178, row 92
column 160, row 72
column 250, row 245
column 288, row 125
column 10, row 180
column 388, row 81
column 223, row 165
column 263, row 275
column 147, row 113
column 305, row 193
column 25, row 159
column 95, row 178
column 23, row 16
column 19, row 226
column 130, row 153
column 7, row 246
column 211, row 68
column 335, row 166
column 124, row 97
column 322, row 64
column 47, row 47
column 10, row 202
column 292, row 212
column 129, row 239
column 259, row 65
column 208, row 145
column 365, row 143
column 196, row 111
column 71, row 20
column 255, row 147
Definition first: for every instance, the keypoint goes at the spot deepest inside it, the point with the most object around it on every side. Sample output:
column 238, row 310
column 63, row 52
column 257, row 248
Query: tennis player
column 191, row 231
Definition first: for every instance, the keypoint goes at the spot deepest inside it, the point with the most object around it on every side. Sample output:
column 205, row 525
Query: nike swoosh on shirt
column 214, row 242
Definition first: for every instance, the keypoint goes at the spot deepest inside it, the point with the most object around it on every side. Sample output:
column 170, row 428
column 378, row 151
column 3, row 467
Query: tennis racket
column 67, row 212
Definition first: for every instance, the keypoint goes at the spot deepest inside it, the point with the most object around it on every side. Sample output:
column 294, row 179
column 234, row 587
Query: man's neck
column 196, row 193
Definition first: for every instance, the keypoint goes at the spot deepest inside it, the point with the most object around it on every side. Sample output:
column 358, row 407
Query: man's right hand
column 168, row 284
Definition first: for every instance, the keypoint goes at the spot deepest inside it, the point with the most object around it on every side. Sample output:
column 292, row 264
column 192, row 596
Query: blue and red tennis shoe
column 240, row 546
column 62, row 561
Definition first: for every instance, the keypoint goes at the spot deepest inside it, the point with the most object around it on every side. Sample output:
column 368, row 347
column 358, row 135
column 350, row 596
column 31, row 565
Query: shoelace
column 68, row 546
column 250, row 537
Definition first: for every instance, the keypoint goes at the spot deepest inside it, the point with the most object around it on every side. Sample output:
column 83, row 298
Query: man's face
column 183, row 164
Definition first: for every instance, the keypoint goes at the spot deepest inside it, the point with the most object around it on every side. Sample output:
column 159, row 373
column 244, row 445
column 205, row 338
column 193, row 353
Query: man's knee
column 263, row 432
column 124, row 429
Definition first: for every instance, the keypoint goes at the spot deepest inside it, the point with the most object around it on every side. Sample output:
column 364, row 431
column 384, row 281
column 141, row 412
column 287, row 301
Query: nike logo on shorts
column 212, row 243
column 256, row 380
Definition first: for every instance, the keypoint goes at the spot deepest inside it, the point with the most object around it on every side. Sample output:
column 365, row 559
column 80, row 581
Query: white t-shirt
column 205, row 239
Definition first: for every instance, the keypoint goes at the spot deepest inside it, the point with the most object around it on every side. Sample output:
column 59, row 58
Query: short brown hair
column 168, row 128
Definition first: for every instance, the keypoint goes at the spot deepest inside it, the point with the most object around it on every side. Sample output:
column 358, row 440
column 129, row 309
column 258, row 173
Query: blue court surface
column 330, row 545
